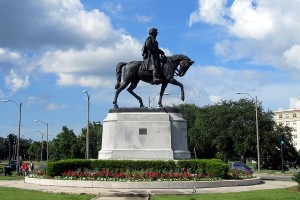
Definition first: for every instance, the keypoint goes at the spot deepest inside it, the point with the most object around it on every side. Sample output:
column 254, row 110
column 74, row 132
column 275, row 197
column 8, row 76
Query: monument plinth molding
column 144, row 134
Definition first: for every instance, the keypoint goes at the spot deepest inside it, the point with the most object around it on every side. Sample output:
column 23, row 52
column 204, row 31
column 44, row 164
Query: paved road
column 276, row 176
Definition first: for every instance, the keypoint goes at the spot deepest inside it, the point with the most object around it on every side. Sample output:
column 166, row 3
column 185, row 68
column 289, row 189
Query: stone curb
column 143, row 185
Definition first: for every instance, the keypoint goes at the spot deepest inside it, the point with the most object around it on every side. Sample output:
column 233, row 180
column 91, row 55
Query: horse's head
column 184, row 65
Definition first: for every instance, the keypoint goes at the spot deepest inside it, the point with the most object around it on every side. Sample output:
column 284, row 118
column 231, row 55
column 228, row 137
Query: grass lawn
column 12, row 177
column 275, row 194
column 16, row 194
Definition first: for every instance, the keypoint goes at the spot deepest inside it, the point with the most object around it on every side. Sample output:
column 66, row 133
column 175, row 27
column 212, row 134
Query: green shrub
column 188, row 165
column 129, row 165
column 56, row 168
column 296, row 177
column 196, row 166
column 217, row 169
column 201, row 166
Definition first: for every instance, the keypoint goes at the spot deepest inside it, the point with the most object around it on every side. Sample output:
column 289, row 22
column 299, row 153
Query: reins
column 176, row 71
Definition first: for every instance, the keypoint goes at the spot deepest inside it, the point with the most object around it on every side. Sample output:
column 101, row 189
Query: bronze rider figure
column 151, row 55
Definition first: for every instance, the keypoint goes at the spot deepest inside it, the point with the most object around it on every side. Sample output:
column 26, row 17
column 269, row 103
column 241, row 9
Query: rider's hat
column 152, row 30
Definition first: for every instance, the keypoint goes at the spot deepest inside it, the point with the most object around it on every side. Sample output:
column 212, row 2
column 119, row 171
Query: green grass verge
column 13, row 177
column 275, row 194
column 16, row 194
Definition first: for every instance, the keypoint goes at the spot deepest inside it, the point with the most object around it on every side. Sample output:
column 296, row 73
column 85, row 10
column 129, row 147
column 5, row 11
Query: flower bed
column 134, row 176
column 135, row 171
column 104, row 175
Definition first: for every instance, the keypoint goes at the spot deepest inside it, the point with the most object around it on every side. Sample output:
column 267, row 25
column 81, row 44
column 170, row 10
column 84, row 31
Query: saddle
column 144, row 73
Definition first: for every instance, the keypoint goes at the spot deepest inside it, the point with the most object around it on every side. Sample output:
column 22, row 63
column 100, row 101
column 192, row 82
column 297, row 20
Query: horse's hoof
column 142, row 106
column 116, row 106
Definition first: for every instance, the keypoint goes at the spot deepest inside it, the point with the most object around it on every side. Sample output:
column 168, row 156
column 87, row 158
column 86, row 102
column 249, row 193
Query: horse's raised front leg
column 161, row 94
column 175, row 82
column 122, row 86
column 130, row 90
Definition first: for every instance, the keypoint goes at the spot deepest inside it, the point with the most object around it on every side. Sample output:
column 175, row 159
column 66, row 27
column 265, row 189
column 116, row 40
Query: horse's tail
column 119, row 67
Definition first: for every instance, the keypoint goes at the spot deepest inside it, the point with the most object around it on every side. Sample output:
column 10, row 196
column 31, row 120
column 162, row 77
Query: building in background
column 290, row 118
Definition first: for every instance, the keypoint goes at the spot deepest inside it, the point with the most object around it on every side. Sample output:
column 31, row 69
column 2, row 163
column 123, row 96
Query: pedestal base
column 144, row 134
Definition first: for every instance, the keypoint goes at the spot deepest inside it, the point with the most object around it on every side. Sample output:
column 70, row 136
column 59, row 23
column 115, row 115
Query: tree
column 34, row 151
column 282, row 135
column 95, row 139
column 24, row 147
column 228, row 130
column 189, row 111
column 64, row 145
column 200, row 134
column 3, row 148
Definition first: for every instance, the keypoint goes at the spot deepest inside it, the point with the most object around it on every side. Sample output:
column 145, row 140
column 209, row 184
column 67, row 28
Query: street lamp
column 20, row 114
column 46, row 124
column 42, row 144
column 88, row 122
column 166, row 93
column 257, row 135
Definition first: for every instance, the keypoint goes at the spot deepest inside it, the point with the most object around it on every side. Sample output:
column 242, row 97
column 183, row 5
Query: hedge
column 214, row 167
column 58, row 167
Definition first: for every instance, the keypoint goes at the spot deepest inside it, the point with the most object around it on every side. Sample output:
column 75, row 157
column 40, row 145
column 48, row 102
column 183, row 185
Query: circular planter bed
column 143, row 185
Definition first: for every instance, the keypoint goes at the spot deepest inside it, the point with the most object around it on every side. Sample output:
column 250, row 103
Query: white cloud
column 34, row 100
column 265, row 32
column 85, row 81
column 15, row 69
column 9, row 60
column 15, row 82
column 210, row 11
column 112, row 7
column 215, row 99
column 90, row 60
column 8, row 55
column 54, row 106
column 250, row 22
column 144, row 18
column 50, row 24
column 294, row 102
column 74, row 42
column 292, row 57
column 209, row 84
column 89, row 66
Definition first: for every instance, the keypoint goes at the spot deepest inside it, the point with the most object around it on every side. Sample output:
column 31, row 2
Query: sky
column 52, row 50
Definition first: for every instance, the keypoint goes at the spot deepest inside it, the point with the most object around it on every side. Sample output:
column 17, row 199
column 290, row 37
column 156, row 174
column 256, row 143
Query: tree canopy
column 227, row 130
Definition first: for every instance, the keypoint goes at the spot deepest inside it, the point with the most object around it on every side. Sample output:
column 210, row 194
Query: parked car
column 242, row 167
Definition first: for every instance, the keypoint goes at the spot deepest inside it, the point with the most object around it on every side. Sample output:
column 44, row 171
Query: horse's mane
column 180, row 57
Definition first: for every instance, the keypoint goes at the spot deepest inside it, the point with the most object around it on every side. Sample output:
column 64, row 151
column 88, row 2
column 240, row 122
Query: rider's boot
column 156, row 80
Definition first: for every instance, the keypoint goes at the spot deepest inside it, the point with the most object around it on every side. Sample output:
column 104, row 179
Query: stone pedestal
column 144, row 134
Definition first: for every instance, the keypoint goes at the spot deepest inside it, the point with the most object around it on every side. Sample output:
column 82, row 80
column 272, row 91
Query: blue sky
column 52, row 50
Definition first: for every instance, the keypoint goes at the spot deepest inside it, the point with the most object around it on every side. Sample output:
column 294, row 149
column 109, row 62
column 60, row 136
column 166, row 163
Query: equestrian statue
column 156, row 68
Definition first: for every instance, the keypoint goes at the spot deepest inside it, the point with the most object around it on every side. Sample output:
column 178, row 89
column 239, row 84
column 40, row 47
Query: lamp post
column 257, row 134
column 42, row 144
column 88, row 122
column 19, row 132
column 166, row 93
column 46, row 124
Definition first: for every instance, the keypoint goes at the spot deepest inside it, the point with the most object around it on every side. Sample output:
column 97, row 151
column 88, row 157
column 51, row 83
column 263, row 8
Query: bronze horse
column 133, row 74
